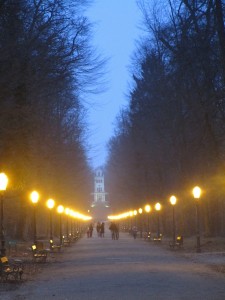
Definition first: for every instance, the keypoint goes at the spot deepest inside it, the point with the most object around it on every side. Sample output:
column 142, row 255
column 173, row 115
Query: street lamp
column 140, row 210
column 73, row 228
column 3, row 186
column 34, row 197
column 135, row 217
column 147, row 210
column 197, row 194
column 173, row 201
column 158, row 208
column 67, row 212
column 50, row 205
column 131, row 215
column 60, row 210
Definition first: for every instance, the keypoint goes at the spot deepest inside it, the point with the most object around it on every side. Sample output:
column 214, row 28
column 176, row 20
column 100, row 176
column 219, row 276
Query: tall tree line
column 47, row 64
column 171, row 135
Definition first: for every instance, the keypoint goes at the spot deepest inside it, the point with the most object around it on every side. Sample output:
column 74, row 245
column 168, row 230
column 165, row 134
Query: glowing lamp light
column 196, row 192
column 34, row 196
column 135, row 212
column 34, row 247
column 60, row 209
column 147, row 208
column 3, row 181
column 158, row 206
column 173, row 200
column 120, row 216
column 50, row 203
column 140, row 210
column 67, row 211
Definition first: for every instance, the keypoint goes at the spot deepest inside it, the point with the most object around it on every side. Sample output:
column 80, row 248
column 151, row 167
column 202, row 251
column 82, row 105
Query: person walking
column 114, row 231
column 88, row 232
column 102, row 229
column 134, row 231
column 91, row 229
column 98, row 228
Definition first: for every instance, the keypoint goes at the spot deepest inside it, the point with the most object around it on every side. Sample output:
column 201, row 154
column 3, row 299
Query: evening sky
column 116, row 30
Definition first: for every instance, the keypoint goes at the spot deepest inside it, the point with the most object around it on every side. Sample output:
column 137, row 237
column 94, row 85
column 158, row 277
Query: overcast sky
column 115, row 33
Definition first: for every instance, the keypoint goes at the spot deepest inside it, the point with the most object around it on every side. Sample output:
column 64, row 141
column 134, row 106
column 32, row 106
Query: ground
column 106, row 269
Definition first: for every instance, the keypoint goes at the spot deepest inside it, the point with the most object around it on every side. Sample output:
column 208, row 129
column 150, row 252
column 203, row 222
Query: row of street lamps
column 196, row 191
column 34, row 197
column 135, row 212
column 3, row 186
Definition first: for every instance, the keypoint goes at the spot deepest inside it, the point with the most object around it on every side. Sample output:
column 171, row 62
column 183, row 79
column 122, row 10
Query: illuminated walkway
column 103, row 269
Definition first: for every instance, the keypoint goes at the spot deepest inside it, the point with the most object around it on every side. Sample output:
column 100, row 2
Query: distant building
column 99, row 190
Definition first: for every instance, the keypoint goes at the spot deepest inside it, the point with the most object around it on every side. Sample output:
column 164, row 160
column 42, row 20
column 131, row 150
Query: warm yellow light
column 60, row 209
column 135, row 212
column 131, row 213
column 80, row 216
column 173, row 200
column 86, row 218
column 67, row 211
column 121, row 216
column 34, row 196
column 196, row 192
column 158, row 206
column 50, row 203
column 147, row 208
column 140, row 210
column 3, row 181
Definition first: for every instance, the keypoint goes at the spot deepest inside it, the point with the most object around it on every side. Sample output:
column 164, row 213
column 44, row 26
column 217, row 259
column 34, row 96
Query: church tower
column 100, row 203
column 99, row 190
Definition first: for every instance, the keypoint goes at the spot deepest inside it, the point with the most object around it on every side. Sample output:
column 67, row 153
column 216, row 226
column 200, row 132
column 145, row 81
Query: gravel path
column 103, row 269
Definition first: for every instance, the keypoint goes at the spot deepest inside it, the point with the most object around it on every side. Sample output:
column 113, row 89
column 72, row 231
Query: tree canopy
column 171, row 135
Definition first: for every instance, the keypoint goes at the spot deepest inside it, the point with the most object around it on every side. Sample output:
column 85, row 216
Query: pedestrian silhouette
column 98, row 228
column 102, row 230
column 114, row 231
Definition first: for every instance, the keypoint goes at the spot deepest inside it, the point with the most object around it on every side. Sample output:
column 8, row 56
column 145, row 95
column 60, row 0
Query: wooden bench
column 56, row 247
column 179, row 242
column 10, row 271
column 147, row 236
column 39, row 253
column 12, row 246
column 76, row 236
column 66, row 241
column 158, row 238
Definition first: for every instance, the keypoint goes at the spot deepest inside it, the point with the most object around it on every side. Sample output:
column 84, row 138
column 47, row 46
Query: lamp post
column 131, row 225
column 34, row 197
column 3, row 186
column 173, row 201
column 50, row 205
column 158, row 208
column 197, row 194
column 135, row 217
column 147, row 210
column 60, row 210
column 72, row 223
column 67, row 212
column 140, row 210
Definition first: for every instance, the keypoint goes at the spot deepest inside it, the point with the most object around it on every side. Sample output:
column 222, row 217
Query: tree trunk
column 221, row 32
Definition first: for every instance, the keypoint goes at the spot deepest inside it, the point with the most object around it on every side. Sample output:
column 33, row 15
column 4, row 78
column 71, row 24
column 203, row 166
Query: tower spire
column 99, row 204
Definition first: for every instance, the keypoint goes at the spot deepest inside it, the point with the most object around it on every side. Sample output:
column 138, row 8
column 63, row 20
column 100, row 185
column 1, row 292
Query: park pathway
column 103, row 269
